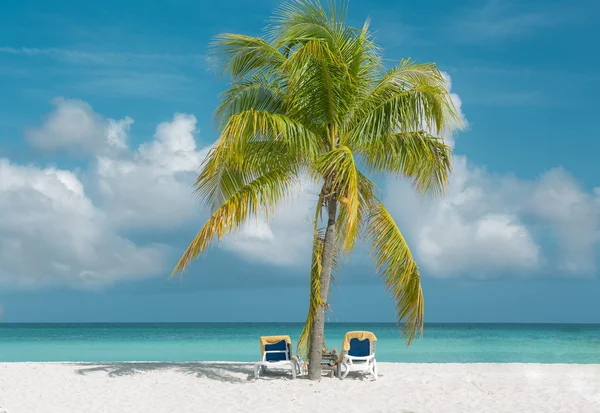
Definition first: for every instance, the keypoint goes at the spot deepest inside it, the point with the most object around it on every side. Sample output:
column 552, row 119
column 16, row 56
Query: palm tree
column 312, row 98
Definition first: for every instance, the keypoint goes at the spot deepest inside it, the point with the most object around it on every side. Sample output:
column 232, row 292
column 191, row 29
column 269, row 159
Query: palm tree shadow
column 360, row 376
column 224, row 372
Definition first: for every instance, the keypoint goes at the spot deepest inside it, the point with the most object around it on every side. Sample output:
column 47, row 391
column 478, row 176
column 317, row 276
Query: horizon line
column 302, row 322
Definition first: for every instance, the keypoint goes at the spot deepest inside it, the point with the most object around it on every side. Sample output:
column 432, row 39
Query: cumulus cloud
column 472, row 229
column 51, row 233
column 146, row 187
column 488, row 224
column 74, row 126
column 152, row 186
column 574, row 218
column 56, row 231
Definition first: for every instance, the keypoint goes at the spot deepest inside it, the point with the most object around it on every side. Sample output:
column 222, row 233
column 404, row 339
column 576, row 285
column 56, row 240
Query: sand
column 229, row 387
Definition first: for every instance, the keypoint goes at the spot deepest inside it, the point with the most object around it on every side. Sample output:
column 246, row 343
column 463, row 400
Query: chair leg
column 257, row 367
column 345, row 373
column 375, row 369
column 294, row 368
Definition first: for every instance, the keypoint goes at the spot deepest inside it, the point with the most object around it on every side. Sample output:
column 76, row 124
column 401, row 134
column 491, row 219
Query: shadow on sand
column 225, row 372
column 219, row 371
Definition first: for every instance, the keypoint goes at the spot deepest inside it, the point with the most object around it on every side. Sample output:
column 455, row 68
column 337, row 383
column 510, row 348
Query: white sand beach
column 229, row 387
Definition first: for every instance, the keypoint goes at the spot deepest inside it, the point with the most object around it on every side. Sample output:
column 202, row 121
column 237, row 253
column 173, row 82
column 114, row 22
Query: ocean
column 177, row 342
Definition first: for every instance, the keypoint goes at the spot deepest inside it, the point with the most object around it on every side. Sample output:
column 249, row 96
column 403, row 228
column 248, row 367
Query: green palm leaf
column 419, row 156
column 239, row 55
column 262, row 194
column 398, row 268
column 410, row 97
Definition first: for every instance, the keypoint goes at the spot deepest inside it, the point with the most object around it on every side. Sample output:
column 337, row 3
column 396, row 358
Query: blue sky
column 106, row 113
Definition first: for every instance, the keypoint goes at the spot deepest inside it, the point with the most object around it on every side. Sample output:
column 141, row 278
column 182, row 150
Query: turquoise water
column 442, row 343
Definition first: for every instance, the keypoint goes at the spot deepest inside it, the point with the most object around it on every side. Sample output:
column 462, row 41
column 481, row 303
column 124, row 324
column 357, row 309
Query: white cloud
column 574, row 216
column 74, row 126
column 51, row 233
column 152, row 187
column 472, row 230
column 488, row 224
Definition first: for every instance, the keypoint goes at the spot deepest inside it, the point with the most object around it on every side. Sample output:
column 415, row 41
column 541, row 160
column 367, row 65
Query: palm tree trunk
column 317, row 339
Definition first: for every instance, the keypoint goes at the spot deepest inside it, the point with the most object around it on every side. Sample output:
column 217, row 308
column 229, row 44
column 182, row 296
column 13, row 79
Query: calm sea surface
column 442, row 343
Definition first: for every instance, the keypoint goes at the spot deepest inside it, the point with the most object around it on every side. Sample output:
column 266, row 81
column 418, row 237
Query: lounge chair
column 358, row 354
column 277, row 353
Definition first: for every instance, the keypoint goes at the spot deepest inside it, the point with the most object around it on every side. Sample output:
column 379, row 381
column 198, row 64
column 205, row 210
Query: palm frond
column 255, row 126
column 367, row 192
column 291, row 16
column 220, row 177
column 262, row 195
column 238, row 55
column 410, row 97
column 217, row 182
column 256, row 92
column 419, row 156
column 314, row 76
column 400, row 273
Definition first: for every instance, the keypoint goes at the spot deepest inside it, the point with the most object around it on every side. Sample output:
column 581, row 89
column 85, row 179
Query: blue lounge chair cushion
column 281, row 345
column 359, row 348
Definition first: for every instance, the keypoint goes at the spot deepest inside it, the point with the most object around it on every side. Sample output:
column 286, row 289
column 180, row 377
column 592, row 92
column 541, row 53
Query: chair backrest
column 360, row 348
column 278, row 351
